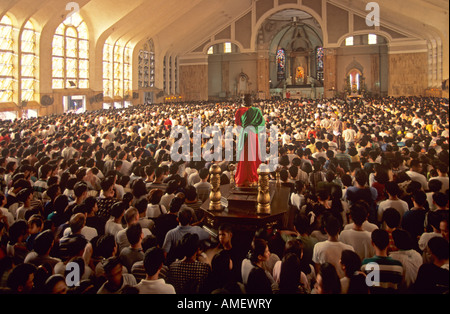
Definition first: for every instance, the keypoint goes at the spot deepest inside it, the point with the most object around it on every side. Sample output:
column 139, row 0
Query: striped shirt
column 384, row 274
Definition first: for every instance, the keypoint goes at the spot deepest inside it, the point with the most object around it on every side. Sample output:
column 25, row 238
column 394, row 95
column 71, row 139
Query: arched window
column 108, row 70
column 146, row 67
column 127, row 72
column 118, row 70
column 6, row 60
column 71, row 54
column 29, row 62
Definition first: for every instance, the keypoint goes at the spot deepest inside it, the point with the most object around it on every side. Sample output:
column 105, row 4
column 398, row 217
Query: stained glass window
column 71, row 54
column 6, row 60
column 281, row 64
column 127, row 72
column 107, row 70
column 118, row 70
column 29, row 60
column 146, row 66
column 320, row 66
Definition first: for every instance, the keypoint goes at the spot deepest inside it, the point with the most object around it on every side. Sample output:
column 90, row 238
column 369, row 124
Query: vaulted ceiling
column 179, row 25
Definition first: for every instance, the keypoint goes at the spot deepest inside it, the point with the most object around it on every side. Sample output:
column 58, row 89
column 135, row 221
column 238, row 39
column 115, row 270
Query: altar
column 240, row 209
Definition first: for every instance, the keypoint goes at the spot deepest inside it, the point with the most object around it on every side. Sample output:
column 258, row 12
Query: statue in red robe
column 252, row 122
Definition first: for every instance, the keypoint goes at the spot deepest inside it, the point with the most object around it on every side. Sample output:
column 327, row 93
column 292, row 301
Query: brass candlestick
column 232, row 169
column 263, row 199
column 215, row 195
column 277, row 172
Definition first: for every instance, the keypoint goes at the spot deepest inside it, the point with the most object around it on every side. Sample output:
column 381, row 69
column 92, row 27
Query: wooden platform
column 241, row 210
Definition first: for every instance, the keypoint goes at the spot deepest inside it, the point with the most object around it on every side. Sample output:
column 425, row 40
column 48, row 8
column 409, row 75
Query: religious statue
column 252, row 122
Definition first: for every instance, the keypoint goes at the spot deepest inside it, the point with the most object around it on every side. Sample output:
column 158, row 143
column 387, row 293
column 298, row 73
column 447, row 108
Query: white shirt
column 445, row 183
column 400, row 205
column 361, row 241
column 154, row 211
column 349, row 135
column 88, row 232
column 330, row 252
column 112, row 227
column 411, row 261
column 366, row 226
column 158, row 286
column 415, row 176
column 425, row 237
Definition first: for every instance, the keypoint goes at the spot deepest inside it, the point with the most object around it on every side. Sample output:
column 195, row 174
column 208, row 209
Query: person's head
column 184, row 216
column 77, row 222
column 439, row 249
column 434, row 220
column 17, row 231
column 139, row 188
column 402, row 239
column 21, row 277
column 361, row 177
column 155, row 196
column 392, row 218
column 134, row 234
column 380, row 239
column 141, row 206
column 43, row 242
column 190, row 193
column 225, row 235
column 80, row 189
column 203, row 173
column 440, row 199
column 176, row 204
column 434, row 185
column 25, row 196
column 154, row 259
column 419, row 198
column 35, row 224
column 106, row 246
column 358, row 212
column 113, row 270
column 332, row 226
column 91, row 204
column 117, row 210
column 328, row 281
column 190, row 244
column 350, row 262
column 131, row 216
column 55, row 284
column 259, row 251
column 393, row 189
column 302, row 224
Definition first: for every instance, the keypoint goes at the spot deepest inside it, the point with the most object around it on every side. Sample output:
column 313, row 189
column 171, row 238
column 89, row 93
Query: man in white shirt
column 330, row 251
column 357, row 237
column 442, row 170
column 152, row 284
column 415, row 173
column 393, row 191
column 349, row 135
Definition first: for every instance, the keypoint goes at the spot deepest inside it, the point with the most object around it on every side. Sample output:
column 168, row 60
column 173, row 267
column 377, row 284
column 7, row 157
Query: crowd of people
column 94, row 204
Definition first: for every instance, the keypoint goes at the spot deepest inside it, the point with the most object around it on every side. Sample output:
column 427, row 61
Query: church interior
column 60, row 56
column 93, row 93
